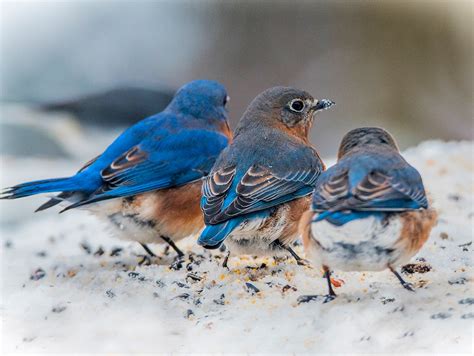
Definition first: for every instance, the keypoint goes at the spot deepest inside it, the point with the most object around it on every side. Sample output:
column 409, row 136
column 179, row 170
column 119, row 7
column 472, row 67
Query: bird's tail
column 213, row 235
column 41, row 186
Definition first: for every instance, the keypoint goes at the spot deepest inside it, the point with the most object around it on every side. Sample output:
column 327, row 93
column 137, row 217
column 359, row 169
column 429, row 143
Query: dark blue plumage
column 369, row 178
column 169, row 149
column 269, row 164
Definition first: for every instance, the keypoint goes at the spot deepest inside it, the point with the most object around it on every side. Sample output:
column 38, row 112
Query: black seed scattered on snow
column 38, row 274
column 468, row 301
column 180, row 284
column 387, row 300
column 188, row 313
column 221, row 300
column 468, row 316
column 441, row 316
column 193, row 277
column 288, row 287
column 109, row 293
column 454, row 197
column 460, row 280
column 100, row 251
column 251, row 288
column 86, row 247
column 42, row 254
column 160, row 284
column 58, row 309
column 309, row 298
column 116, row 251
column 182, row 296
column 133, row 274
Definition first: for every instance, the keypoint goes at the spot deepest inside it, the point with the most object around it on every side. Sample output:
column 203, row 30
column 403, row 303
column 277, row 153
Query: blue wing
column 370, row 183
column 158, row 163
column 228, row 198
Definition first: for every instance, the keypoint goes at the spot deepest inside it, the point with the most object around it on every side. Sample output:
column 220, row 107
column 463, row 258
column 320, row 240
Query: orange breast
column 175, row 211
column 416, row 229
column 296, row 209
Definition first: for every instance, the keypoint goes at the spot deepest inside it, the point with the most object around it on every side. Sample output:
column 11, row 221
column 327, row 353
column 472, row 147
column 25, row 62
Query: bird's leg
column 178, row 261
column 327, row 275
column 146, row 259
column 147, row 249
column 327, row 298
column 226, row 259
column 405, row 284
column 300, row 261
column 173, row 246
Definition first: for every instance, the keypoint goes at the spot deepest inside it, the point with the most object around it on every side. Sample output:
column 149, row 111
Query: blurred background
column 74, row 73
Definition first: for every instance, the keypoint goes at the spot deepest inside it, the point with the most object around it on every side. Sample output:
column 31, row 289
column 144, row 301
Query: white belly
column 127, row 224
column 255, row 236
column 360, row 245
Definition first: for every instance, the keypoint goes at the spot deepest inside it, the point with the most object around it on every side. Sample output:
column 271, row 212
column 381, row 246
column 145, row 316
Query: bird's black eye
column 297, row 105
column 226, row 100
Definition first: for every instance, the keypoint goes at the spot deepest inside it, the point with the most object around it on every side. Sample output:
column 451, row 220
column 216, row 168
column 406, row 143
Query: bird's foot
column 145, row 260
column 303, row 262
column 226, row 261
column 177, row 263
column 316, row 297
column 408, row 286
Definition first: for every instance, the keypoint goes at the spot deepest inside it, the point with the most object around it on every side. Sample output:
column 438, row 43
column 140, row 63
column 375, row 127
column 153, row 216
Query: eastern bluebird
column 369, row 211
column 147, row 183
column 259, row 185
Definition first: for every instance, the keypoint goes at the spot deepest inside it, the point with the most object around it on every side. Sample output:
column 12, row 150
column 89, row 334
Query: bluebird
column 369, row 211
column 147, row 183
column 259, row 186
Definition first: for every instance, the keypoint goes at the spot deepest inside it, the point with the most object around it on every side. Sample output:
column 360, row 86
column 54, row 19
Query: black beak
column 323, row 104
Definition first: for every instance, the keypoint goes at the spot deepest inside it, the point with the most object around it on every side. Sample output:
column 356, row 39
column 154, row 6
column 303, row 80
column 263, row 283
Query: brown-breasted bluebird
column 369, row 210
column 260, row 184
column 147, row 183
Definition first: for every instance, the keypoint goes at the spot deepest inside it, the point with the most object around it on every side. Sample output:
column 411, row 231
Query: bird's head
column 364, row 137
column 290, row 109
column 202, row 99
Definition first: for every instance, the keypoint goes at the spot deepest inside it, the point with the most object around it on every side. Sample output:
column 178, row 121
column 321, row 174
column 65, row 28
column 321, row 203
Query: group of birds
column 253, row 191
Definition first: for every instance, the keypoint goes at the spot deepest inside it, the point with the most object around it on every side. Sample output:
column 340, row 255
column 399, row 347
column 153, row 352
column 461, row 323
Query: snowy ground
column 67, row 286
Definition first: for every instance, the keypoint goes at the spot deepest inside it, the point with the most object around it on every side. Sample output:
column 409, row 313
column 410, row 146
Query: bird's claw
column 177, row 263
column 145, row 260
column 309, row 298
column 303, row 262
column 408, row 286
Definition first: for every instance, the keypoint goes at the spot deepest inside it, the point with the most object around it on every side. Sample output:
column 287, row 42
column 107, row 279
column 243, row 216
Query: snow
column 88, row 302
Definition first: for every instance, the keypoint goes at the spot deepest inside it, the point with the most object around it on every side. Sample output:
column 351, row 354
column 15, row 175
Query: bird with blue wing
column 369, row 211
column 260, row 184
column 147, row 183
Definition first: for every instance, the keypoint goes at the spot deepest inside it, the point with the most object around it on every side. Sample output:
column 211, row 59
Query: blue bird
column 369, row 211
column 147, row 183
column 259, row 186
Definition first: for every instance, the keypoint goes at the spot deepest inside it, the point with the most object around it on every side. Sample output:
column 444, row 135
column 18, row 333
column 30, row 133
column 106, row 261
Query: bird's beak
column 322, row 104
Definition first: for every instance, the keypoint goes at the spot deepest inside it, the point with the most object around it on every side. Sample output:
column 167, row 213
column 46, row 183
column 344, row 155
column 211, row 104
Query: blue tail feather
column 40, row 186
column 213, row 235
